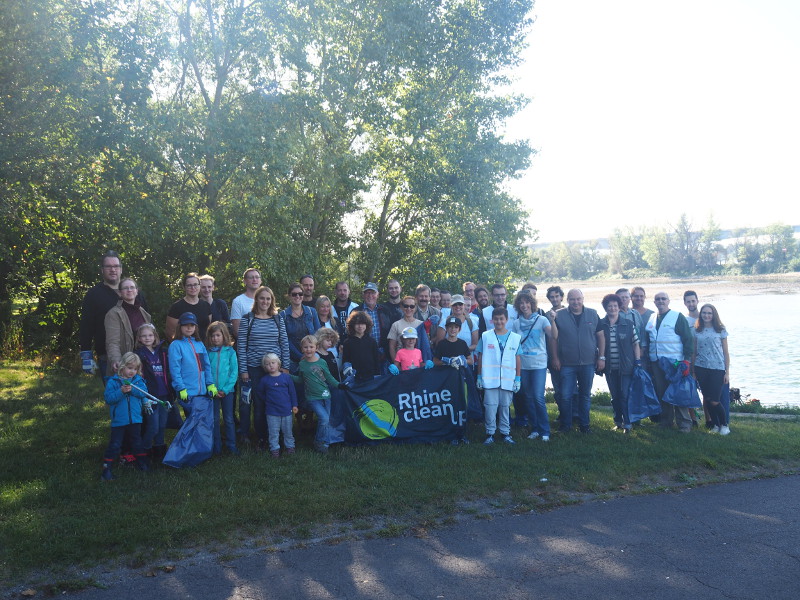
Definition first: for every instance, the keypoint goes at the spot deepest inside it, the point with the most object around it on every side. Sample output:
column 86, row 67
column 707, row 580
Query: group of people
column 285, row 361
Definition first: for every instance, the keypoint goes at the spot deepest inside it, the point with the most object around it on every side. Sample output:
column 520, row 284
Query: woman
column 535, row 332
column 712, row 364
column 300, row 321
column 122, row 321
column 325, row 314
column 622, row 353
column 469, row 331
column 260, row 331
column 192, row 303
column 408, row 305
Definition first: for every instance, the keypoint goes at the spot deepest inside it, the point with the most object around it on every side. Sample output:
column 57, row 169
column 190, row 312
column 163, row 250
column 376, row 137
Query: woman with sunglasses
column 300, row 321
column 192, row 303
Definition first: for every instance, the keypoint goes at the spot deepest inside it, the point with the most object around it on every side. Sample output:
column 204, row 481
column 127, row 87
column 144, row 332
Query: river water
column 764, row 341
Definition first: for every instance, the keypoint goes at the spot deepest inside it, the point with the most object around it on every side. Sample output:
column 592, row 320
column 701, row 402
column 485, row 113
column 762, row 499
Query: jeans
column 619, row 385
column 226, row 405
column 258, row 408
column 115, row 441
column 711, row 382
column 276, row 425
column 532, row 390
column 156, row 426
column 322, row 408
column 496, row 403
column 580, row 378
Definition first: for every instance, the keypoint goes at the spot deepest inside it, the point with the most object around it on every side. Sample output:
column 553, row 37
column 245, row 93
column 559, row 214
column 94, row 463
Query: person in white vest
column 499, row 370
column 670, row 336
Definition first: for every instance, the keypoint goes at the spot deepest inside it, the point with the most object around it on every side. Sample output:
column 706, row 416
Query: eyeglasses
column 192, row 285
column 499, row 295
column 112, row 266
column 409, row 306
column 296, row 294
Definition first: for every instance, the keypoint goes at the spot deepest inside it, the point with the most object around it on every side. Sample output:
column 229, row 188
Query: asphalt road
column 736, row 540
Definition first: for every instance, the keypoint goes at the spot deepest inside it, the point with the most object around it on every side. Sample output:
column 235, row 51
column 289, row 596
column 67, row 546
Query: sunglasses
column 297, row 294
column 409, row 306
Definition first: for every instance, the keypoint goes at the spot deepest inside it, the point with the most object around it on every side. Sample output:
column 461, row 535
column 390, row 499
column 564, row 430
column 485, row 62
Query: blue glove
column 459, row 361
column 348, row 370
column 447, row 360
column 637, row 363
column 244, row 393
column 428, row 364
column 350, row 379
column 394, row 370
column 87, row 362
column 479, row 383
column 517, row 384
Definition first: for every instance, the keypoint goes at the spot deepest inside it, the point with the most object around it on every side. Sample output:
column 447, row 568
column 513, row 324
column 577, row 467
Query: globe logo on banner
column 377, row 419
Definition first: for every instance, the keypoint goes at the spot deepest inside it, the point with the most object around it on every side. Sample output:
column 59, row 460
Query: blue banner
column 421, row 405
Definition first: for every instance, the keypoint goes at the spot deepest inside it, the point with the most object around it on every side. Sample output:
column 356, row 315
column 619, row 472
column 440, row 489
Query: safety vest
column 664, row 341
column 498, row 369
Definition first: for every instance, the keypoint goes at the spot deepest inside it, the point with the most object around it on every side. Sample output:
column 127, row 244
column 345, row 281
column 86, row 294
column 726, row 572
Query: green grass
column 55, row 514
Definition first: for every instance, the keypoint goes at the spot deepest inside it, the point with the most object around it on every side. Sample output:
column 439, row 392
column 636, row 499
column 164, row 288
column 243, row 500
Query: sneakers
column 533, row 435
column 107, row 475
column 489, row 440
column 275, row 453
column 724, row 430
column 289, row 451
column 714, row 429
column 508, row 439
column 545, row 438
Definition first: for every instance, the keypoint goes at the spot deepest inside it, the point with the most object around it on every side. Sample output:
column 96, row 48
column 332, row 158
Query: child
column 498, row 373
column 316, row 377
column 277, row 391
column 328, row 339
column 188, row 362
column 409, row 356
column 360, row 350
column 454, row 351
column 225, row 367
column 125, row 405
column 155, row 371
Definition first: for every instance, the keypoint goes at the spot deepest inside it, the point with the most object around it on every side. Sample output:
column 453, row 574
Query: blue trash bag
column 642, row 399
column 195, row 439
column 725, row 400
column 474, row 404
column 682, row 389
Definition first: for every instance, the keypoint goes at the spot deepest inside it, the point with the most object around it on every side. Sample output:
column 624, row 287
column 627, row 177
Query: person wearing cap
column 381, row 321
column 189, row 366
column 408, row 357
column 468, row 330
column 452, row 346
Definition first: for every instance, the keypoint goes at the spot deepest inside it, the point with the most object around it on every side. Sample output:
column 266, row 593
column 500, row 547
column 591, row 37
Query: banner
column 421, row 405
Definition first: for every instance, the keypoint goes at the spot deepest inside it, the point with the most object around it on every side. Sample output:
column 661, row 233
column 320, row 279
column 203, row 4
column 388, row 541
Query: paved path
column 737, row 540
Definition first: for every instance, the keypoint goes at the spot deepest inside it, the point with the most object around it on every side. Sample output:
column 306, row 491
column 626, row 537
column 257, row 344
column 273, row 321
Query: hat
column 452, row 321
column 188, row 318
column 370, row 286
column 409, row 333
column 457, row 299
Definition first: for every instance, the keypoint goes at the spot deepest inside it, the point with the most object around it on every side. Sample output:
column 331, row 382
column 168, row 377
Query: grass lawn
column 56, row 514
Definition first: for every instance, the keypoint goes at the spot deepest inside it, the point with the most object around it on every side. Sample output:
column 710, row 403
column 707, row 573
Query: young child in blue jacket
column 188, row 363
column 125, row 405
column 225, row 368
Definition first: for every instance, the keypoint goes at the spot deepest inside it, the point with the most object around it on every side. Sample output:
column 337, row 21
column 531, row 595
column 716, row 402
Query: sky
column 643, row 110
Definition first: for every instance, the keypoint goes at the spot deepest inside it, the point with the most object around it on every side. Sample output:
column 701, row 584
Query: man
column 690, row 301
column 100, row 298
column 424, row 309
column 307, row 283
column 637, row 299
column 531, row 288
column 469, row 296
column 219, row 308
column 669, row 336
column 625, row 311
column 381, row 324
column 499, row 296
column 577, row 358
column 243, row 303
column 343, row 306
column 555, row 295
column 392, row 305
column 481, row 302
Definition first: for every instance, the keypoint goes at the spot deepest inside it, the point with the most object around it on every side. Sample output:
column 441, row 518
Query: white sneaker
column 533, row 435
column 545, row 438
column 724, row 430
column 714, row 429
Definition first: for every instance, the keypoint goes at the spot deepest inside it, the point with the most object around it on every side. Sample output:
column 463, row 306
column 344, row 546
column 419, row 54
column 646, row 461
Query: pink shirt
column 408, row 358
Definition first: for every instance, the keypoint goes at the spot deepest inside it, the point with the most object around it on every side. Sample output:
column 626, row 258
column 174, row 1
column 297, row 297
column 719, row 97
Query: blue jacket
column 189, row 367
column 311, row 322
column 224, row 367
column 125, row 408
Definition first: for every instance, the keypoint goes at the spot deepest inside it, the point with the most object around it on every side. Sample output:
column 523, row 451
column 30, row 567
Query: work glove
column 394, row 370
column 428, row 364
column 87, row 362
column 350, row 379
column 348, row 369
column 448, row 361
column 517, row 384
column 479, row 383
column 147, row 407
column 637, row 363
column 212, row 390
column 183, row 395
column 459, row 361
column 244, row 394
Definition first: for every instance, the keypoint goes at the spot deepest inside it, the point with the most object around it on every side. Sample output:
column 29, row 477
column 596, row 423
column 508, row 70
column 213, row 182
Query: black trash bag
column 682, row 389
column 194, row 441
column 642, row 399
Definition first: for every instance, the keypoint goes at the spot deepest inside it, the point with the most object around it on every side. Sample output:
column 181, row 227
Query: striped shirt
column 258, row 337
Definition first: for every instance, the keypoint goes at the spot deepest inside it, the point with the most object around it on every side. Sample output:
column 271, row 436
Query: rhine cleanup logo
column 377, row 419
